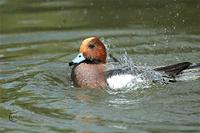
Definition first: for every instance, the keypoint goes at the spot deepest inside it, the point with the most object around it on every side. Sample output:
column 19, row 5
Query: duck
column 89, row 68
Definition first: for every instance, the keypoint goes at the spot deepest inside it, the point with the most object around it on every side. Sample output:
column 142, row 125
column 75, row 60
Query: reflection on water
column 39, row 38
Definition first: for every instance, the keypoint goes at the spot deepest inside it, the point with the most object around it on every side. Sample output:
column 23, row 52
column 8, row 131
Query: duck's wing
column 110, row 73
column 173, row 70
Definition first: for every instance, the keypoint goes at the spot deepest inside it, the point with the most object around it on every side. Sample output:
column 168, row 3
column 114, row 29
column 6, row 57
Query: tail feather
column 173, row 70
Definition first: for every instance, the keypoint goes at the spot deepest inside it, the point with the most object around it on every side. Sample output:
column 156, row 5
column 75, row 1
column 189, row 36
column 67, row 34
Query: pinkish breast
column 89, row 75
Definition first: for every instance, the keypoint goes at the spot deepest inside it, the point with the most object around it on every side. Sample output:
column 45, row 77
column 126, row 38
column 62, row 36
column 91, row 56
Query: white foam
column 191, row 74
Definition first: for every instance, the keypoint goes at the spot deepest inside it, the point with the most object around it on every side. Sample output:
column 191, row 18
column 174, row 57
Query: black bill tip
column 71, row 63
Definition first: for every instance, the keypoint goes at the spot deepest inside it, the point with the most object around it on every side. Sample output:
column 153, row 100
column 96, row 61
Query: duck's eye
column 91, row 46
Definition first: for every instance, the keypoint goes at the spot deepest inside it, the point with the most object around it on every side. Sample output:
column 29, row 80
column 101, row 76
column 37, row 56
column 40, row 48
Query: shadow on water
column 39, row 38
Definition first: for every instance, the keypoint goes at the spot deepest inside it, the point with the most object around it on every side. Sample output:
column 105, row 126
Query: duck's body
column 89, row 69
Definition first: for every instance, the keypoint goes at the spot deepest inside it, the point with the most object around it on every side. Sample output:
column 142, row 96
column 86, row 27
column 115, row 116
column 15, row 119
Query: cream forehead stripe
column 88, row 40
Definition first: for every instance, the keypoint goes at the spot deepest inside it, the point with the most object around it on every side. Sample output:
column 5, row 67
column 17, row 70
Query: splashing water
column 136, row 78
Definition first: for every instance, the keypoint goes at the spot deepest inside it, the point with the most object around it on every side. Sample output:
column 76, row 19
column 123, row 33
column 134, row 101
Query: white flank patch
column 123, row 81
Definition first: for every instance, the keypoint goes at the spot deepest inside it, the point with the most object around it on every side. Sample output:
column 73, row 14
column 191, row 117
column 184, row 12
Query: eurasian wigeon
column 89, row 67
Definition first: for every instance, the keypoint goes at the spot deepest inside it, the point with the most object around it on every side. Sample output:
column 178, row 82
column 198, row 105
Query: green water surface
column 39, row 37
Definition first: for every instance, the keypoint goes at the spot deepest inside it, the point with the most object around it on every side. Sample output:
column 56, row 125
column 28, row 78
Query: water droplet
column 116, row 17
column 85, row 12
column 91, row 4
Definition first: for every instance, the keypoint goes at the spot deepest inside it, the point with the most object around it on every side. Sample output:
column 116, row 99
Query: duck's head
column 92, row 51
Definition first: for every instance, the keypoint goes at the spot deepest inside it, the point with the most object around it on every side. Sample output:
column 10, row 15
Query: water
column 39, row 38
